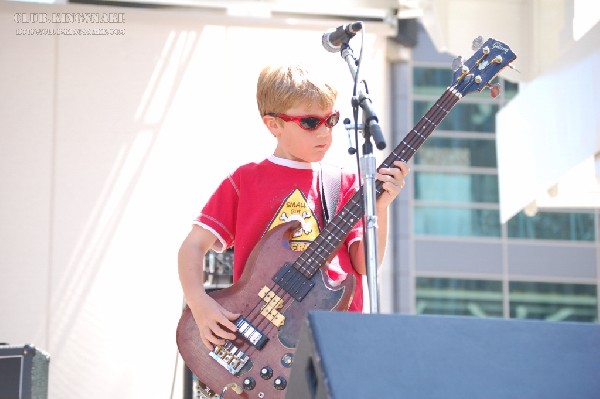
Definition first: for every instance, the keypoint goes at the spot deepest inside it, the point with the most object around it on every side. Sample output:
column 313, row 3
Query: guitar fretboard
column 336, row 231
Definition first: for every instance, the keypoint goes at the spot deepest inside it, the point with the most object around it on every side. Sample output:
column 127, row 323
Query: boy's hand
column 393, row 182
column 214, row 322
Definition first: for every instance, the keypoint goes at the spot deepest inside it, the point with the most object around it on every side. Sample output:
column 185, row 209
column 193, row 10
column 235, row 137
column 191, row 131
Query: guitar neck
column 336, row 231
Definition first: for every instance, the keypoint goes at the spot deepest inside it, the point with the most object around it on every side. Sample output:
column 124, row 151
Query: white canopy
column 548, row 137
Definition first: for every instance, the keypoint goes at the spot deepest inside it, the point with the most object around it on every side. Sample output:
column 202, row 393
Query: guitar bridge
column 230, row 357
column 251, row 333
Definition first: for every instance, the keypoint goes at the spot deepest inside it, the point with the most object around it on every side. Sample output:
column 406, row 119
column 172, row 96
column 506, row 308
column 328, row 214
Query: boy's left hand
column 393, row 181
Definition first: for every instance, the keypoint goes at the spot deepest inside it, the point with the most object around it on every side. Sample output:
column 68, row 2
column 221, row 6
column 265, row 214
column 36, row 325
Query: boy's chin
column 317, row 158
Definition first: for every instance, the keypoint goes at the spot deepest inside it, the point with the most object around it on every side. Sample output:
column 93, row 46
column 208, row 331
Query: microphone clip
column 334, row 39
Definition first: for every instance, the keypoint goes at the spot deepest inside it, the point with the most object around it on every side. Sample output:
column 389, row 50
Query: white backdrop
column 108, row 148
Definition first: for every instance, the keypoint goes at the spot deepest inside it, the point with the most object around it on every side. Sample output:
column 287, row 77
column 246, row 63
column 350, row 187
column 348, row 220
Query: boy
column 297, row 109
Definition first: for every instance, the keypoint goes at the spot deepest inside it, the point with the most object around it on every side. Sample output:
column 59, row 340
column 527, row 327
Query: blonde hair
column 280, row 88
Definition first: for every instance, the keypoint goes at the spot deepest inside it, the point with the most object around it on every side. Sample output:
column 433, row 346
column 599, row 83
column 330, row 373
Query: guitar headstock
column 476, row 73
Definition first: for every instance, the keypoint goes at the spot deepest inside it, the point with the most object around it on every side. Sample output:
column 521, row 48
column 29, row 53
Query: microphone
column 333, row 39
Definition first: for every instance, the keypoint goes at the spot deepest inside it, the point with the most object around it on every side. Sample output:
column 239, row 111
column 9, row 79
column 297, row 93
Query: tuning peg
column 457, row 63
column 477, row 43
column 494, row 89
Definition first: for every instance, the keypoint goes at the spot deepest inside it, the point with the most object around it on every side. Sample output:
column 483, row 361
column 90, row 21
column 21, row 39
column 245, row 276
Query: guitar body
column 267, row 258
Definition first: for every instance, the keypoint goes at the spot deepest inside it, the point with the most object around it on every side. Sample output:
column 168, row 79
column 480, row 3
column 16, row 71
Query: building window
column 456, row 222
column 456, row 187
column 431, row 81
column 553, row 301
column 510, row 89
column 553, row 226
column 457, row 152
column 448, row 296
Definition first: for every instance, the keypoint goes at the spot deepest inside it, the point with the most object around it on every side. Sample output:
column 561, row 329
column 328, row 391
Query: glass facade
column 457, row 152
column 445, row 296
column 553, row 226
column 456, row 187
column 455, row 201
column 553, row 301
column 527, row 300
column 456, row 222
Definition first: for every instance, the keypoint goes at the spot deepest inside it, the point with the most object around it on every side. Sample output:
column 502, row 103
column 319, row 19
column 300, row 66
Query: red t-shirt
column 260, row 196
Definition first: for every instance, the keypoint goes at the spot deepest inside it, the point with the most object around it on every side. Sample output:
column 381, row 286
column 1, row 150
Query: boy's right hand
column 214, row 322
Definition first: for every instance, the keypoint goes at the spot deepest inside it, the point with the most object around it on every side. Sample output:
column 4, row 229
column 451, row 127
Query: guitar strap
column 331, row 180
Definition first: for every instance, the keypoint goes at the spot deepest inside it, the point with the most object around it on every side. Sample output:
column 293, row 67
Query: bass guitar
column 279, row 286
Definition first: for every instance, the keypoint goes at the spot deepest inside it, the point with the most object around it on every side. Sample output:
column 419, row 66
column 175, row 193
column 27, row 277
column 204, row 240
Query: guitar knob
column 249, row 384
column 280, row 383
column 266, row 372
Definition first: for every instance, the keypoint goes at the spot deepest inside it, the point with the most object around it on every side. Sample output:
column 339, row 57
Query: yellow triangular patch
column 294, row 207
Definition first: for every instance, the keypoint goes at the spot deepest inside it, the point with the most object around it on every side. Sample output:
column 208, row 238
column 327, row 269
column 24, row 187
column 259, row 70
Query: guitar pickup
column 272, row 304
column 293, row 282
column 276, row 318
column 274, row 301
column 251, row 333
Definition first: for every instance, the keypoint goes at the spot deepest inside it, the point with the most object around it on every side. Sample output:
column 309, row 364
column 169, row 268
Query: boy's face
column 296, row 143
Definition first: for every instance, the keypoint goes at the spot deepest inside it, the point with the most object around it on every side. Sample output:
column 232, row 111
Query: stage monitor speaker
column 343, row 355
column 23, row 372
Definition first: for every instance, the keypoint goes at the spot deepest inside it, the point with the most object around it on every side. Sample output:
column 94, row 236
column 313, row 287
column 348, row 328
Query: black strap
column 331, row 180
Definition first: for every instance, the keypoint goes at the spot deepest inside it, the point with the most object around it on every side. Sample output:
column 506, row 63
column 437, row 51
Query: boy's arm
column 357, row 249
column 213, row 321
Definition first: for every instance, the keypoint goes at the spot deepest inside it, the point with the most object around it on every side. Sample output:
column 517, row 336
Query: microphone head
column 355, row 27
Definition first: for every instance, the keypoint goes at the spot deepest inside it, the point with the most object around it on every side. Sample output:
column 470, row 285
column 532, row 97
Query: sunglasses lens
column 332, row 120
column 310, row 123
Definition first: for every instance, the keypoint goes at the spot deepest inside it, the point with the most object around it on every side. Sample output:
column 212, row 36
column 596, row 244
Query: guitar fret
column 397, row 156
column 443, row 109
column 427, row 120
column 420, row 134
column 409, row 146
column 347, row 223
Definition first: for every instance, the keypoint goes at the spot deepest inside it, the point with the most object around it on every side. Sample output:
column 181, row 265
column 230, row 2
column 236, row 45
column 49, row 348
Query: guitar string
column 306, row 259
column 413, row 143
column 439, row 108
column 438, row 112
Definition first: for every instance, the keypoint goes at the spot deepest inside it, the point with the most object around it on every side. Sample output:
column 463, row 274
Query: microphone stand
column 371, row 130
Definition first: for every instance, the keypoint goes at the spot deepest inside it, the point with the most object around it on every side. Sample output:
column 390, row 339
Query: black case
column 23, row 372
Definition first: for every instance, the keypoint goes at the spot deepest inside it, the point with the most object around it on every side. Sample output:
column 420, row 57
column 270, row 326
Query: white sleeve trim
column 220, row 244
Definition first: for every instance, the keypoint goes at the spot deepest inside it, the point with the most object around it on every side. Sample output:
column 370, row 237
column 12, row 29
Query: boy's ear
column 272, row 124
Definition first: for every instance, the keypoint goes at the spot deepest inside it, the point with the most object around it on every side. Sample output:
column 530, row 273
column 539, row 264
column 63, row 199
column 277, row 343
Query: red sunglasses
column 310, row 122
